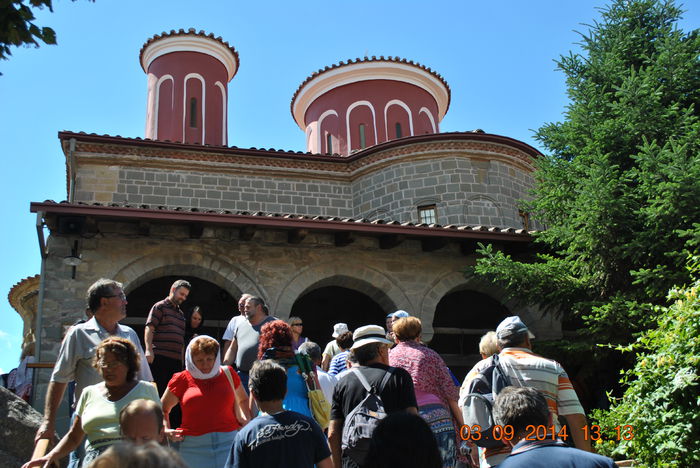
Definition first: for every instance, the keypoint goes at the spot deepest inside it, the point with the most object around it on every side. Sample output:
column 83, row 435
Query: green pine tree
column 619, row 190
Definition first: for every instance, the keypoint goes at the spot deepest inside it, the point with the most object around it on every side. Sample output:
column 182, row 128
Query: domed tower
column 188, row 75
column 354, row 105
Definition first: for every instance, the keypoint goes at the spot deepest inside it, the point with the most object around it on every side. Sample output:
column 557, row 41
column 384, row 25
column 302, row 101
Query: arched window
column 193, row 112
column 329, row 143
column 399, row 134
column 363, row 140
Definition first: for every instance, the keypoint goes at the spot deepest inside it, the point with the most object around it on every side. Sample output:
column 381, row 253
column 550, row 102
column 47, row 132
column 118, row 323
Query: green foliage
column 17, row 27
column 619, row 196
column 619, row 193
column 662, row 400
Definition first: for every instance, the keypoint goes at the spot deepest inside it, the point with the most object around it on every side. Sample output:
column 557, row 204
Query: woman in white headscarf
column 214, row 405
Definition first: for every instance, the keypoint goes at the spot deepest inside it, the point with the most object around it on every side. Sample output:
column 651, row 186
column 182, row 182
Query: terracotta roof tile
column 321, row 220
column 189, row 32
column 374, row 58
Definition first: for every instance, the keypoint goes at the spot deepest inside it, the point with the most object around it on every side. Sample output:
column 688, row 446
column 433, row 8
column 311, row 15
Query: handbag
column 320, row 408
column 237, row 412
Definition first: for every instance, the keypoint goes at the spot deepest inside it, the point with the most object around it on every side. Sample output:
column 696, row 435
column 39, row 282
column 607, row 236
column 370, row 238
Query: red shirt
column 207, row 405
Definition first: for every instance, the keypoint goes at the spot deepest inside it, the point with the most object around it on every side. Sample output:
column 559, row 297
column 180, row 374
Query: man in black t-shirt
column 371, row 348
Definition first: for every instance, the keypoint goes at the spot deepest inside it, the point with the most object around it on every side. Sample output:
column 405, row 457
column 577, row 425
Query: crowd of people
column 374, row 397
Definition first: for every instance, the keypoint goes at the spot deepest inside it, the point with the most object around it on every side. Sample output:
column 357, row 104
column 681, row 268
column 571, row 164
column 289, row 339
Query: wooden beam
column 344, row 238
column 389, row 241
column 295, row 236
column 429, row 245
column 196, row 231
column 468, row 247
column 246, row 233
column 144, row 228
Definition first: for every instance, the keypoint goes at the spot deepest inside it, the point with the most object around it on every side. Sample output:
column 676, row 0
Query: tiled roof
column 476, row 135
column 13, row 296
column 283, row 220
column 374, row 58
column 189, row 32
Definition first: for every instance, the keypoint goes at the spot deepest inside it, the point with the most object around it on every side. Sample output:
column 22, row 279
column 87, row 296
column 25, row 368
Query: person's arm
column 230, row 356
column 326, row 362
column 242, row 406
column 325, row 463
column 412, row 410
column 168, row 401
column 335, row 434
column 67, row 444
column 54, row 394
column 456, row 412
column 225, row 347
column 576, row 424
column 148, row 342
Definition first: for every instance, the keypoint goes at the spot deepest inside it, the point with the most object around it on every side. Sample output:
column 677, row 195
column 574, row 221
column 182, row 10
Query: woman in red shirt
column 214, row 405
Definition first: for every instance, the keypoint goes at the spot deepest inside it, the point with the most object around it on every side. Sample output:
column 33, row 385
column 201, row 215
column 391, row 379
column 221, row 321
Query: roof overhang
column 285, row 222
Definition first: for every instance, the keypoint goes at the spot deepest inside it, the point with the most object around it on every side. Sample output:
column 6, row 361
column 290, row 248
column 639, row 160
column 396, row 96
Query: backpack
column 478, row 405
column 361, row 421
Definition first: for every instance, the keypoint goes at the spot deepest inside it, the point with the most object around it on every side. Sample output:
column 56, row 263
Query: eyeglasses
column 108, row 365
column 297, row 324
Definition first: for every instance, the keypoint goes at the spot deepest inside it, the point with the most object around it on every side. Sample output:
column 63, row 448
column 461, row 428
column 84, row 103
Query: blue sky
column 497, row 57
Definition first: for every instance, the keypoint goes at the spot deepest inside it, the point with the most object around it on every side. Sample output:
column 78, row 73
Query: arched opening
column 461, row 318
column 321, row 308
column 217, row 305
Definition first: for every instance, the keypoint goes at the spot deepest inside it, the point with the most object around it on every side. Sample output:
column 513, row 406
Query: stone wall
column 464, row 190
column 204, row 190
column 467, row 188
column 404, row 277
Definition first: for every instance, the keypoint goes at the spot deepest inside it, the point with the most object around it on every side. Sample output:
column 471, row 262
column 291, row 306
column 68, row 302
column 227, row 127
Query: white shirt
column 231, row 327
column 327, row 383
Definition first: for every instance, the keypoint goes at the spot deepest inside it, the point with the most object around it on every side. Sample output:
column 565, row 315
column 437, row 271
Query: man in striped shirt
column 527, row 369
column 164, row 335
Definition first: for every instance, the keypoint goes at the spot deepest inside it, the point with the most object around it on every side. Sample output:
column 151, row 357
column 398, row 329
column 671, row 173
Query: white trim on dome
column 202, row 107
column 347, row 123
column 430, row 117
column 189, row 43
column 159, row 83
column 364, row 71
column 224, row 105
column 320, row 129
column 400, row 103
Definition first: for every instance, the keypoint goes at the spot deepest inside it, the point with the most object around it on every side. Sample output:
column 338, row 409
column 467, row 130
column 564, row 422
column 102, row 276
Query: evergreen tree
column 619, row 194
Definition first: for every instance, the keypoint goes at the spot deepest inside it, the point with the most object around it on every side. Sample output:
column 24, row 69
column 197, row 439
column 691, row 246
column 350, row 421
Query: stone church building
column 382, row 212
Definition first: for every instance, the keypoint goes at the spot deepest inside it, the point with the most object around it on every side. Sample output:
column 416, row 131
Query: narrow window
column 427, row 214
column 399, row 134
column 363, row 141
column 193, row 112
column 525, row 218
column 329, row 143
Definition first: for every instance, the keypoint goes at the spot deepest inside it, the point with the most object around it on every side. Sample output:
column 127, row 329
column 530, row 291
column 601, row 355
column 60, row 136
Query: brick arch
column 451, row 282
column 213, row 269
column 381, row 288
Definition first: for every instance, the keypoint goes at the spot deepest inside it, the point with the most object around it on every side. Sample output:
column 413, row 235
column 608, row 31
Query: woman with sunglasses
column 297, row 328
column 97, row 411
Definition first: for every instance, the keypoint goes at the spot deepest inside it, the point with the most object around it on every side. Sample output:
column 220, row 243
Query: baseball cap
column 369, row 334
column 400, row 314
column 512, row 326
column 339, row 329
